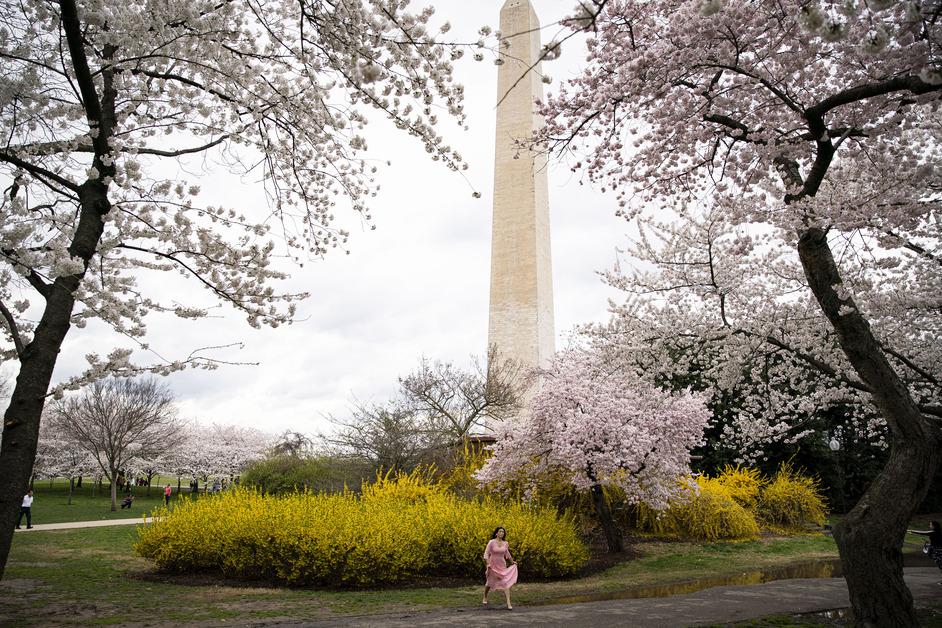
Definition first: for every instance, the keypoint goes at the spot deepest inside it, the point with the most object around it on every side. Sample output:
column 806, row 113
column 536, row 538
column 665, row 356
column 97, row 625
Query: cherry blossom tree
column 215, row 451
column 101, row 104
column 791, row 149
column 57, row 456
column 600, row 426
column 119, row 422
column 232, row 448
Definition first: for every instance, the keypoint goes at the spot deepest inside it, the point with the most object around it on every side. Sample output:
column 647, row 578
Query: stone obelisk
column 521, row 309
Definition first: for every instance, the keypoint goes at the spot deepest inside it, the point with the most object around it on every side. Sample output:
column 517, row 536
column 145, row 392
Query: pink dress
column 499, row 575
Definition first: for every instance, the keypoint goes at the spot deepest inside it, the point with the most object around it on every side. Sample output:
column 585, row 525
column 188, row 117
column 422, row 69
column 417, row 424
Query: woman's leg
column 507, row 595
column 486, row 589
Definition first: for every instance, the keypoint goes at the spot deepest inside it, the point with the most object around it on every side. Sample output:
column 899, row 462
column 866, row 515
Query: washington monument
column 520, row 323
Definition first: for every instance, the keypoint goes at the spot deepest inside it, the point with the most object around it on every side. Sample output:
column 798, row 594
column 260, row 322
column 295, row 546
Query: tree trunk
column 38, row 358
column 604, row 514
column 114, row 491
column 870, row 537
column 71, row 486
column 37, row 362
column 78, row 482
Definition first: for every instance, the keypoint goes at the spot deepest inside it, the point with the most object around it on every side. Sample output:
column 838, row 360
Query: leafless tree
column 293, row 443
column 120, row 420
column 454, row 401
column 437, row 406
column 385, row 437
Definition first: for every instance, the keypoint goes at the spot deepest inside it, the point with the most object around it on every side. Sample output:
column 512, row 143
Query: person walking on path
column 167, row 491
column 935, row 542
column 499, row 577
column 26, row 509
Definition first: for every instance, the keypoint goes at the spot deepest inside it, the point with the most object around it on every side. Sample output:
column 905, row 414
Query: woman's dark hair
column 934, row 525
column 494, row 536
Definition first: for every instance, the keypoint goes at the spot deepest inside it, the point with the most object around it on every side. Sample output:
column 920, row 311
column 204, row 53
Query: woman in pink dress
column 499, row 576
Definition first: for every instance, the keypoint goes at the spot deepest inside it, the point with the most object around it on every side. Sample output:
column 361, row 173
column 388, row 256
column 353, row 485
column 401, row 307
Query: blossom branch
column 38, row 171
column 14, row 331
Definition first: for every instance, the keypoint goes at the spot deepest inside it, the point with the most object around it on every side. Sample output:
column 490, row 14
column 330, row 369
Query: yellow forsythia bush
column 397, row 528
column 731, row 505
column 706, row 512
column 791, row 500
column 744, row 485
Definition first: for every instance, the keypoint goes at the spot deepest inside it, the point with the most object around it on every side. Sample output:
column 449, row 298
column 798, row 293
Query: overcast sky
column 417, row 285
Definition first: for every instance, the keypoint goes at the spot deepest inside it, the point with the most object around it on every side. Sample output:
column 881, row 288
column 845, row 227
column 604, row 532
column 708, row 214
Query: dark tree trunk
column 37, row 362
column 21, row 420
column 78, row 482
column 870, row 537
column 71, row 487
column 604, row 513
column 38, row 358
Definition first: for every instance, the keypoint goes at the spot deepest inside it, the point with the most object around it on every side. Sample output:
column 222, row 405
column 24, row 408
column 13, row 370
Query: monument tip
column 516, row 3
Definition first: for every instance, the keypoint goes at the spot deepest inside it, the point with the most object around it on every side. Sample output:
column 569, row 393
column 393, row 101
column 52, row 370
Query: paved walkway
column 718, row 605
column 39, row 527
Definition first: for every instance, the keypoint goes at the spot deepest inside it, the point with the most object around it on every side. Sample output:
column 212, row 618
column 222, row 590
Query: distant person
column 217, row 486
column 127, row 501
column 935, row 542
column 167, row 491
column 26, row 509
column 499, row 576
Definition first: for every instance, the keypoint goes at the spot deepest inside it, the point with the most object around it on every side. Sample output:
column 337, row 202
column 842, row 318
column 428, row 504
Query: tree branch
column 182, row 151
column 38, row 171
column 912, row 84
column 76, row 43
column 32, row 276
column 14, row 331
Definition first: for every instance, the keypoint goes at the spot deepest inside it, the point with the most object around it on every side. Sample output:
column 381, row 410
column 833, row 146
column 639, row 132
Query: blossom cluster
column 735, row 131
column 601, row 425
column 148, row 98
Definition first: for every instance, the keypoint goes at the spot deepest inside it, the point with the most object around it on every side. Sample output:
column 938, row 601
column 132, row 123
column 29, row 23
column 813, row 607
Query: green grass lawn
column 49, row 575
column 93, row 576
column 50, row 504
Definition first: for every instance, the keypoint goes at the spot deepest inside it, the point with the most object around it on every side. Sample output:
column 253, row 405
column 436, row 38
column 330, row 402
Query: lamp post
column 835, row 446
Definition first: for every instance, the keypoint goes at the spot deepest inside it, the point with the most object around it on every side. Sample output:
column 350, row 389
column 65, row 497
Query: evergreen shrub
column 397, row 528
column 285, row 474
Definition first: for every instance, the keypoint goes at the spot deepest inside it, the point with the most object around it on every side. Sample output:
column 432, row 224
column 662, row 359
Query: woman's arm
column 487, row 551
column 920, row 532
column 509, row 557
